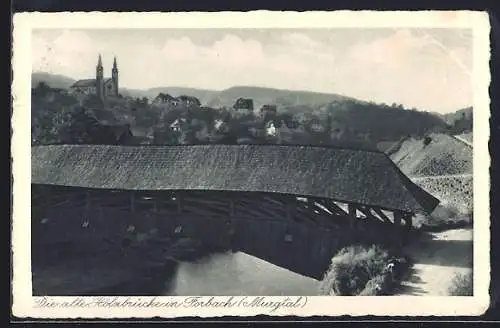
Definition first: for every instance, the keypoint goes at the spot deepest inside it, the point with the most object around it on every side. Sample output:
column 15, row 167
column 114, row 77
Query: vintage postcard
column 239, row 164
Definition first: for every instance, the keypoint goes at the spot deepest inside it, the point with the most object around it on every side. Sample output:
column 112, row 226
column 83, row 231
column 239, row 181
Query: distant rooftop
column 87, row 83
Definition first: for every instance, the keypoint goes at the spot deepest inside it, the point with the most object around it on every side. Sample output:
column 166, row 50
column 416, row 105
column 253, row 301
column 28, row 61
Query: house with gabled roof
column 189, row 100
column 165, row 99
column 243, row 105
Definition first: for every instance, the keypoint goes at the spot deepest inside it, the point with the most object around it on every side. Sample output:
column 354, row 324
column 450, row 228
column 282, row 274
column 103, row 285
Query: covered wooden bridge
column 293, row 206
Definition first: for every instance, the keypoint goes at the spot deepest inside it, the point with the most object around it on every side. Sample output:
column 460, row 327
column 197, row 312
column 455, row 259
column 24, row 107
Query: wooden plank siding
column 254, row 224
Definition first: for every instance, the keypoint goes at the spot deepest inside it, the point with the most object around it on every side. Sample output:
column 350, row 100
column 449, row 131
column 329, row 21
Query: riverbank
column 141, row 268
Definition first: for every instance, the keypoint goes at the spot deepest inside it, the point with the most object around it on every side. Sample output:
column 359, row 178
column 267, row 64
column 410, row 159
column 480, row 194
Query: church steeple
column 99, row 78
column 99, row 69
column 114, row 76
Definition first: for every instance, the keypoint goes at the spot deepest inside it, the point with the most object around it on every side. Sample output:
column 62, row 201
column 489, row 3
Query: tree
column 73, row 125
column 78, row 126
column 165, row 137
column 92, row 101
column 42, row 89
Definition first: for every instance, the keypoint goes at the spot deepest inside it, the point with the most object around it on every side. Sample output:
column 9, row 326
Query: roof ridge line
column 232, row 145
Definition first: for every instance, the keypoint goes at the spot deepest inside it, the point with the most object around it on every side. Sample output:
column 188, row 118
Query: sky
column 426, row 69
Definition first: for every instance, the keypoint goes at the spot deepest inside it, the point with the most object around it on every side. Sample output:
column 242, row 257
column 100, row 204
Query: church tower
column 99, row 79
column 114, row 77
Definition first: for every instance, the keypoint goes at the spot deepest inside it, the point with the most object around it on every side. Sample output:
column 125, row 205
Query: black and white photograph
column 255, row 162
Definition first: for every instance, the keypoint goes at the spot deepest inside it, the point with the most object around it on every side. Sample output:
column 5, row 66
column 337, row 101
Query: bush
column 462, row 285
column 443, row 218
column 357, row 270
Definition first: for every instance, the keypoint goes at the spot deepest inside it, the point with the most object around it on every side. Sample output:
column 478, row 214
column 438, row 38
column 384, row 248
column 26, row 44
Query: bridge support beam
column 88, row 200
column 353, row 215
column 290, row 210
column 382, row 215
column 398, row 216
column 132, row 201
column 408, row 221
column 231, row 206
column 178, row 200
column 366, row 211
column 335, row 208
column 400, row 229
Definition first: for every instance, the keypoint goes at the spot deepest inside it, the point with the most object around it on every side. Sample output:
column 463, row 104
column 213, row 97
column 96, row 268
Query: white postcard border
column 24, row 304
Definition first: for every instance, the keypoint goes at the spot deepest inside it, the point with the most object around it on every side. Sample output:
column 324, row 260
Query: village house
column 268, row 110
column 114, row 134
column 317, row 127
column 271, row 130
column 284, row 131
column 189, row 101
column 142, row 136
column 177, row 125
column 166, row 99
column 243, row 105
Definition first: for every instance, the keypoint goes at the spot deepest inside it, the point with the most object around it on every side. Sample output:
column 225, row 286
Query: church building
column 100, row 86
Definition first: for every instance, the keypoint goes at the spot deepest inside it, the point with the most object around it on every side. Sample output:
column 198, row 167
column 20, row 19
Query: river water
column 236, row 274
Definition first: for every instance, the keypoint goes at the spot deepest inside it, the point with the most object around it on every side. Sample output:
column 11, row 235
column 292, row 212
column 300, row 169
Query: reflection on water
column 237, row 274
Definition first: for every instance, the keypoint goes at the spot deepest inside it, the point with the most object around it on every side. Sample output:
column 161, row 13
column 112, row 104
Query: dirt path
column 446, row 176
column 438, row 258
column 459, row 138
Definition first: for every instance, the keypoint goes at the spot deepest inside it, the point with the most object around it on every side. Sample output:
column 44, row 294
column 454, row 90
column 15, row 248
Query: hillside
column 451, row 118
column 52, row 80
column 454, row 192
column 135, row 93
column 64, row 82
column 279, row 97
column 323, row 116
column 443, row 168
column 443, row 155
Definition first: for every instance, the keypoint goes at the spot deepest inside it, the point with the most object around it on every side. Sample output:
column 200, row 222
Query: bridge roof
column 353, row 176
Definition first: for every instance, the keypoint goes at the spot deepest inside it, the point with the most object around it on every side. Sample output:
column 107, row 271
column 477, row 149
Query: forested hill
column 282, row 98
column 52, row 80
column 450, row 118
column 380, row 122
column 315, row 116
column 64, row 82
